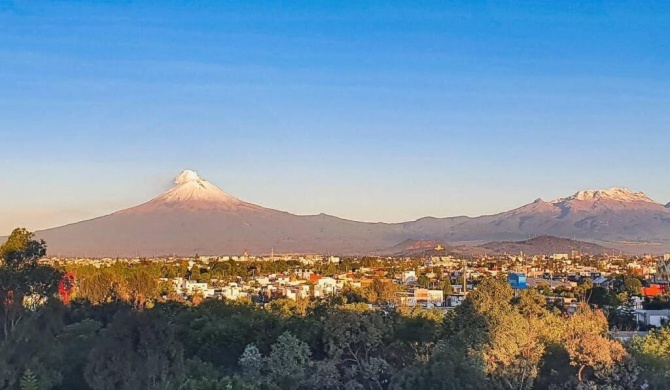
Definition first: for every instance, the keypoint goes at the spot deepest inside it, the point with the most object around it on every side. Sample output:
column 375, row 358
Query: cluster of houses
column 303, row 284
column 422, row 285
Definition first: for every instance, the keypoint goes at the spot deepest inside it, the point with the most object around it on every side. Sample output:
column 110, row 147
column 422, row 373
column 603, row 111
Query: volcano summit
column 191, row 192
column 196, row 216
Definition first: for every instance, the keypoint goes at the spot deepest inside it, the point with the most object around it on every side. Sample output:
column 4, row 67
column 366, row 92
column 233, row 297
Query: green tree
column 622, row 316
column 288, row 362
column 323, row 375
column 227, row 383
column 96, row 287
column 416, row 332
column 447, row 288
column 195, row 273
column 653, row 355
column 452, row 367
column 22, row 279
column 423, row 281
column 508, row 338
column 382, row 292
column 633, row 286
column 73, row 345
column 34, row 346
column 355, row 343
column 251, row 362
column 136, row 351
column 29, row 381
column 286, row 308
column 584, row 290
column 586, row 342
column 142, row 287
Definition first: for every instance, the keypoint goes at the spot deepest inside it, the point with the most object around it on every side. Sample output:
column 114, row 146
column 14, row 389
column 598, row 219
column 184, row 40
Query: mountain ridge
column 543, row 245
column 615, row 194
column 197, row 216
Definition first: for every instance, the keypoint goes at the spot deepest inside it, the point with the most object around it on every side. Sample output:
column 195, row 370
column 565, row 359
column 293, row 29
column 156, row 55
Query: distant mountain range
column 545, row 245
column 608, row 215
column 195, row 216
column 534, row 246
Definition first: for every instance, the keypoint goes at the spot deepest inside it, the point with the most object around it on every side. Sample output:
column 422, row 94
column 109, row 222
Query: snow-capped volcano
column 195, row 216
column 609, row 200
column 611, row 194
column 611, row 215
column 194, row 193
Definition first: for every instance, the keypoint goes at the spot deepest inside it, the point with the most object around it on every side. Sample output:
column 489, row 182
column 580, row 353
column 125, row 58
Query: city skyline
column 363, row 111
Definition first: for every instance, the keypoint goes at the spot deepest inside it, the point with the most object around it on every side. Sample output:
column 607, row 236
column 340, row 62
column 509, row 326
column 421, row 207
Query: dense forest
column 121, row 337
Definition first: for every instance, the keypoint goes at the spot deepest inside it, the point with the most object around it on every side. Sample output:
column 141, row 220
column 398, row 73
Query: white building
column 233, row 292
column 303, row 274
column 191, row 287
column 178, row 284
column 655, row 318
column 423, row 297
column 455, row 300
column 325, row 286
column 408, row 277
column 295, row 292
column 334, row 260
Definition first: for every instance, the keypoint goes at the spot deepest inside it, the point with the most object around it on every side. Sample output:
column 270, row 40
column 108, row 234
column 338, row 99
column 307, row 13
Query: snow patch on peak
column 191, row 187
column 193, row 193
column 187, row 176
column 612, row 194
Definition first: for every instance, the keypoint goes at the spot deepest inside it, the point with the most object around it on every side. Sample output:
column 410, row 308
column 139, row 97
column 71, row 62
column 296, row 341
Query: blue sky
column 369, row 110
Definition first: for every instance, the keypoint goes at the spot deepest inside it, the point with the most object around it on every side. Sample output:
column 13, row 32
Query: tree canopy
column 121, row 332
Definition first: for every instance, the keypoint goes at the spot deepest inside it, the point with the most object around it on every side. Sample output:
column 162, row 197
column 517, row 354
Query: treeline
column 492, row 341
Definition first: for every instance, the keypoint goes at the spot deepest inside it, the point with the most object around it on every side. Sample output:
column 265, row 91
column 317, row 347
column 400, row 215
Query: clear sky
column 368, row 110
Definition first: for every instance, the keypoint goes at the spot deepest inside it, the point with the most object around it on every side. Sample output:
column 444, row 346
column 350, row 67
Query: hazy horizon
column 370, row 112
